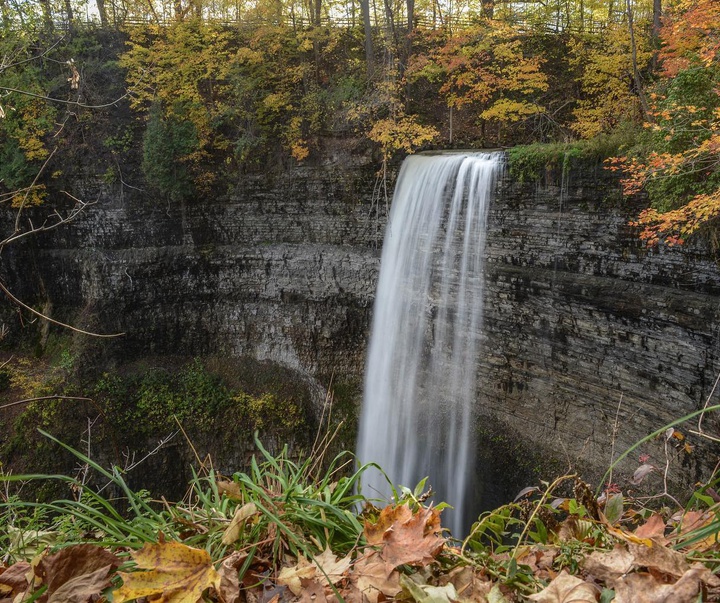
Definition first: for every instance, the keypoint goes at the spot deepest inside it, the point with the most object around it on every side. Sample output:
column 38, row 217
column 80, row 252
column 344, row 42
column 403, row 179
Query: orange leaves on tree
column 690, row 35
column 172, row 571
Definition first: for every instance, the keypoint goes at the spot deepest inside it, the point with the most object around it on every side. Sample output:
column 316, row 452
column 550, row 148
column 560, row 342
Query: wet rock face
column 586, row 332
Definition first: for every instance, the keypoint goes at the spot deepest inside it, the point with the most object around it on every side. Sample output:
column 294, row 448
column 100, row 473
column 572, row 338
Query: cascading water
column 417, row 414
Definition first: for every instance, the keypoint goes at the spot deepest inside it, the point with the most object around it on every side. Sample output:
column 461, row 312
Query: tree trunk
column 656, row 24
column 46, row 15
column 102, row 12
column 637, row 80
column 369, row 60
column 69, row 15
column 487, row 8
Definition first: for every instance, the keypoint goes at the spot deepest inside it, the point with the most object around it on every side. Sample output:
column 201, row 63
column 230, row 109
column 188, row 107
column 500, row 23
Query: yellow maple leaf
column 172, row 571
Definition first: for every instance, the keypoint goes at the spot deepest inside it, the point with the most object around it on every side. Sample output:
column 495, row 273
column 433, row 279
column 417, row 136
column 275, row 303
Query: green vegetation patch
column 529, row 163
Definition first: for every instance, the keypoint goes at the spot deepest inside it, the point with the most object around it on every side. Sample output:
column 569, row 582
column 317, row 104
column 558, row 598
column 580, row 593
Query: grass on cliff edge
column 289, row 530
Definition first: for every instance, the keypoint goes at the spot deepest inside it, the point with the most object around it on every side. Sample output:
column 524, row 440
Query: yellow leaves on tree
column 402, row 133
column 169, row 571
column 606, row 75
column 485, row 66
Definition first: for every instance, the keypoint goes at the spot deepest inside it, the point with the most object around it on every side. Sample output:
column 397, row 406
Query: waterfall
column 417, row 413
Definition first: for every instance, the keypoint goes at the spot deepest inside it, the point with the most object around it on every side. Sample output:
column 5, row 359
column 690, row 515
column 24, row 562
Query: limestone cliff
column 583, row 327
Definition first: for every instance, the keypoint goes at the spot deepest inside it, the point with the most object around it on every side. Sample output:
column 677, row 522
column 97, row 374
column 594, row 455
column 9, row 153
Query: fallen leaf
column 565, row 589
column 496, row 595
column 660, row 559
column 696, row 520
column 171, row 570
column 645, row 588
column 14, row 581
column 312, row 592
column 468, row 585
column 292, row 576
column 389, row 516
column 371, row 578
column 229, row 585
column 417, row 540
column 77, row 573
column 629, row 537
column 230, row 489
column 609, row 565
column 329, row 567
column 242, row 514
column 427, row 593
column 652, row 528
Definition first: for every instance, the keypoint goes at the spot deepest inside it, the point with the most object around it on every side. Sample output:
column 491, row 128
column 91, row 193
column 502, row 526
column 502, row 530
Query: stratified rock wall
column 587, row 333
column 592, row 341
column 282, row 269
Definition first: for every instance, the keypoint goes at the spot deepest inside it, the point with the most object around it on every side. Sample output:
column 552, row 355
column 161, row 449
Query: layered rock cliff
column 589, row 338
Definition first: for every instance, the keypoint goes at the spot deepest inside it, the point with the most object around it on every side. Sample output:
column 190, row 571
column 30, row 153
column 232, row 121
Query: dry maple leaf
column 173, row 572
column 414, row 541
column 566, row 589
column 389, row 516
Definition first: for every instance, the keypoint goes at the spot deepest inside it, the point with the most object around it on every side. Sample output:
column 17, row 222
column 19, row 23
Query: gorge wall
column 587, row 333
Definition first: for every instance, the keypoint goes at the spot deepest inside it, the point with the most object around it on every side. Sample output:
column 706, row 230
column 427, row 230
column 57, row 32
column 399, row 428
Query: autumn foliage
column 678, row 162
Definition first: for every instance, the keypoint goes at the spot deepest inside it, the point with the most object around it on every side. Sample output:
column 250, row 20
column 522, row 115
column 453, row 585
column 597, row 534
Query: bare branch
column 16, row 301
column 41, row 398
column 66, row 102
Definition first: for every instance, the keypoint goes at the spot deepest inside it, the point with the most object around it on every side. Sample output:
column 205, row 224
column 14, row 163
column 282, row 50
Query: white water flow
column 417, row 414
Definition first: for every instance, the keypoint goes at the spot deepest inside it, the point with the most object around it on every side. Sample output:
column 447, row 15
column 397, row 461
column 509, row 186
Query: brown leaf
column 371, row 579
column 414, row 541
column 652, row 528
column 77, row 573
column 468, row 585
column 660, row 559
column 313, row 592
column 389, row 516
column 230, row 489
column 609, row 565
column 229, row 585
column 695, row 520
column 173, row 571
column 14, row 581
column 566, row 589
column 645, row 588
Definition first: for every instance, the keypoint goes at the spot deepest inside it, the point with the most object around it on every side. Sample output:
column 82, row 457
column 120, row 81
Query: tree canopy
column 239, row 84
